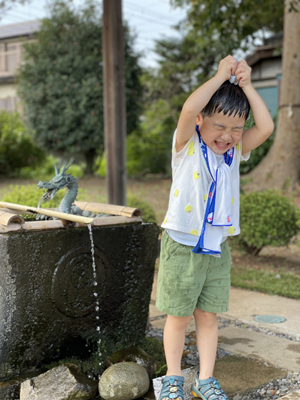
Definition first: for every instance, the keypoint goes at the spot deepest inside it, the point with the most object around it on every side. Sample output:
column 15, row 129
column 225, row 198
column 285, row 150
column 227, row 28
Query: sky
column 148, row 19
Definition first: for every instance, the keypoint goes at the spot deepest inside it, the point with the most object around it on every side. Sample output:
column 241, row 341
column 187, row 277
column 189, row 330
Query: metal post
column 114, row 101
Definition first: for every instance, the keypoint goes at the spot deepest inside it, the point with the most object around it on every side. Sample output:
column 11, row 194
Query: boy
column 194, row 272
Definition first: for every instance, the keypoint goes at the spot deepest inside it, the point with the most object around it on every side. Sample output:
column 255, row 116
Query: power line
column 156, row 14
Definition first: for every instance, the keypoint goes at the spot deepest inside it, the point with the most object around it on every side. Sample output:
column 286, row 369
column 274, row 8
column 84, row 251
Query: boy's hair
column 229, row 99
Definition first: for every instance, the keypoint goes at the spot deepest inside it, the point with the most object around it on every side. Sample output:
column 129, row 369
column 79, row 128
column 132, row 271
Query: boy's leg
column 207, row 341
column 174, row 337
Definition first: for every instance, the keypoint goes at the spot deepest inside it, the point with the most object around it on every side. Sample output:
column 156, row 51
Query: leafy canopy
column 61, row 82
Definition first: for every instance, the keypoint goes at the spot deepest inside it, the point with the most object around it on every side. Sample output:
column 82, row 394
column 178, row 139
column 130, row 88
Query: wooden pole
column 114, row 101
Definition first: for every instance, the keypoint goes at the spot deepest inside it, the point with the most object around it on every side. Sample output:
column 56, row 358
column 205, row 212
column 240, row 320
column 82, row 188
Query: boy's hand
column 243, row 74
column 227, row 67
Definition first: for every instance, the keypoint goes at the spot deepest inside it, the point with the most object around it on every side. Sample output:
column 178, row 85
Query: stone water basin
column 50, row 307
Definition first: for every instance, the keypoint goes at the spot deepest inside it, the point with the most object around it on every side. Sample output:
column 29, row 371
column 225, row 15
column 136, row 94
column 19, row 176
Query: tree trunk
column 89, row 156
column 280, row 169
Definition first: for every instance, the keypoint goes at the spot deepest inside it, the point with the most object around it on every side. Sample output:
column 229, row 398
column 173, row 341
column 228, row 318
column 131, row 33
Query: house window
column 8, row 104
column 10, row 57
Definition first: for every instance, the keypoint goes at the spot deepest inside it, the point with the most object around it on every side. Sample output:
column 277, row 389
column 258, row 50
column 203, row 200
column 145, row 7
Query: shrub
column 267, row 219
column 17, row 148
column 144, row 206
column 30, row 195
column 45, row 171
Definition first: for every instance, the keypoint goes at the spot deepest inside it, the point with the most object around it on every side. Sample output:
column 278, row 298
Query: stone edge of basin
column 60, row 224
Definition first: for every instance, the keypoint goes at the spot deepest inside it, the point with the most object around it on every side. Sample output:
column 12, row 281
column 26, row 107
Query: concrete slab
column 279, row 352
column 292, row 396
column 245, row 304
column 237, row 375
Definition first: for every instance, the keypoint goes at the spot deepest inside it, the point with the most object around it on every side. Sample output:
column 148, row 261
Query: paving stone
column 279, row 352
column 292, row 396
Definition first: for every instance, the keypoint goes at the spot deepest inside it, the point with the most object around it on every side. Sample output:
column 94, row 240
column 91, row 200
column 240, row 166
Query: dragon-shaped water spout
column 60, row 181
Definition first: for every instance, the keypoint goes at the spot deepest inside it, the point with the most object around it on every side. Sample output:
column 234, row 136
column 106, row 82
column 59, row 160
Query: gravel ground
column 271, row 391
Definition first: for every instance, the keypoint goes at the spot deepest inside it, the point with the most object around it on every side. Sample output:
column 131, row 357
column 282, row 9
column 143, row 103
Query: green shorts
column 187, row 280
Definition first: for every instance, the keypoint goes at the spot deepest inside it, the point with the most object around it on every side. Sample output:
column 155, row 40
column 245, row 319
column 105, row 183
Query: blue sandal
column 208, row 389
column 172, row 388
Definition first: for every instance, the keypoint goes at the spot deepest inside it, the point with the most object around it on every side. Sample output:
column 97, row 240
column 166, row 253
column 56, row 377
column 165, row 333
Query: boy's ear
column 199, row 120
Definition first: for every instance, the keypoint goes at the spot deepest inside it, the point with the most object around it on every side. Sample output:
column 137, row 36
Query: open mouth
column 221, row 145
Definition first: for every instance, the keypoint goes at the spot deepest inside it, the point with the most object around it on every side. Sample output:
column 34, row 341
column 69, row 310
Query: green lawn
column 285, row 284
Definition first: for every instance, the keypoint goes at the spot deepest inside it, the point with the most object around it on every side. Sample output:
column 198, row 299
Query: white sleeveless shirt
column 190, row 193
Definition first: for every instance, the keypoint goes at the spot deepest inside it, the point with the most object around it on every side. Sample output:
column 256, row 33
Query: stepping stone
column 279, row 352
column 237, row 375
column 292, row 396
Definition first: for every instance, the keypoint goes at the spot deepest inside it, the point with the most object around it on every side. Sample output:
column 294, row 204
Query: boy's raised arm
column 198, row 100
column 264, row 125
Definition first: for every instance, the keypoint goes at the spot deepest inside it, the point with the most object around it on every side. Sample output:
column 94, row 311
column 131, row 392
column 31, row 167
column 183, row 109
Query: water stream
column 95, row 283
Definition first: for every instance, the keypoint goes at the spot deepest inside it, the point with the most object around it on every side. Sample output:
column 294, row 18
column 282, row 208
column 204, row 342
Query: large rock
column 48, row 306
column 65, row 382
column 134, row 354
column 124, row 381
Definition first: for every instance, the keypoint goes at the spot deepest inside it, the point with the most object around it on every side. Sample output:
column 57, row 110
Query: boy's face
column 221, row 132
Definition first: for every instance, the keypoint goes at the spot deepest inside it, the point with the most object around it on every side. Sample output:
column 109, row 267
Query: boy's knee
column 178, row 322
column 204, row 317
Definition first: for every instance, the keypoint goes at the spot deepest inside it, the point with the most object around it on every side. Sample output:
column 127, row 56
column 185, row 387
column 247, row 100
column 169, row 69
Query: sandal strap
column 172, row 388
column 211, row 390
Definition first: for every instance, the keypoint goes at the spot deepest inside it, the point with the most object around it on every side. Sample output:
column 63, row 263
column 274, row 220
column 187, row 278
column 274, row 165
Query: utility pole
column 114, row 101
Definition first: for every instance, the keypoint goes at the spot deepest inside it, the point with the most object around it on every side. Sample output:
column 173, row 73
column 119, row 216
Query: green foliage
column 144, row 206
column 266, row 281
column 17, row 148
column 266, row 219
column 45, row 171
column 61, row 84
column 149, row 150
column 260, row 152
column 221, row 27
column 30, row 195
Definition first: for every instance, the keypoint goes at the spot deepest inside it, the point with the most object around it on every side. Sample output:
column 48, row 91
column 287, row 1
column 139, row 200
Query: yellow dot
column 191, row 152
column 232, row 200
column 191, row 145
column 238, row 146
column 173, row 149
column 196, row 175
column 176, row 193
column 165, row 221
column 194, row 232
column 188, row 208
column 231, row 230
column 205, row 197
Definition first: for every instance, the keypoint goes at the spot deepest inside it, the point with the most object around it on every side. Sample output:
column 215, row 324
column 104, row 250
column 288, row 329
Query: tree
column 220, row 27
column 281, row 167
column 60, row 81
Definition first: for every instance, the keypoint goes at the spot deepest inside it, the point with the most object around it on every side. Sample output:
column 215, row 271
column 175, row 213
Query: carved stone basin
column 48, row 307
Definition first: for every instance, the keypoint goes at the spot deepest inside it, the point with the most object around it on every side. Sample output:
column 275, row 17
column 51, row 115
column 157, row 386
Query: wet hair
column 228, row 99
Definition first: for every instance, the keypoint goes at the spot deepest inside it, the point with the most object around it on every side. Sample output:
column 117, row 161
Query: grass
column 285, row 284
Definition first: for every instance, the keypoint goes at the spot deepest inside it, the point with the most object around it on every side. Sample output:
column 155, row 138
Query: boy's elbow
column 270, row 128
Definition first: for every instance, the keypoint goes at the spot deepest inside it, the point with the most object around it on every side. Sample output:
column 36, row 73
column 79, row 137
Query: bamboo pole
column 109, row 209
column 49, row 213
column 7, row 218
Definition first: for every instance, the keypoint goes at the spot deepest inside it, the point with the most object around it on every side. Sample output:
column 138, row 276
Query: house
column 266, row 64
column 12, row 37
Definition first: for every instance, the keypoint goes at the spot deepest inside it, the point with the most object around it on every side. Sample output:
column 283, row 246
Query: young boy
column 194, row 272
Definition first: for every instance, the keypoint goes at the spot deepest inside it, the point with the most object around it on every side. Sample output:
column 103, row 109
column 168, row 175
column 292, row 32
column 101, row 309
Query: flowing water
column 95, row 283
